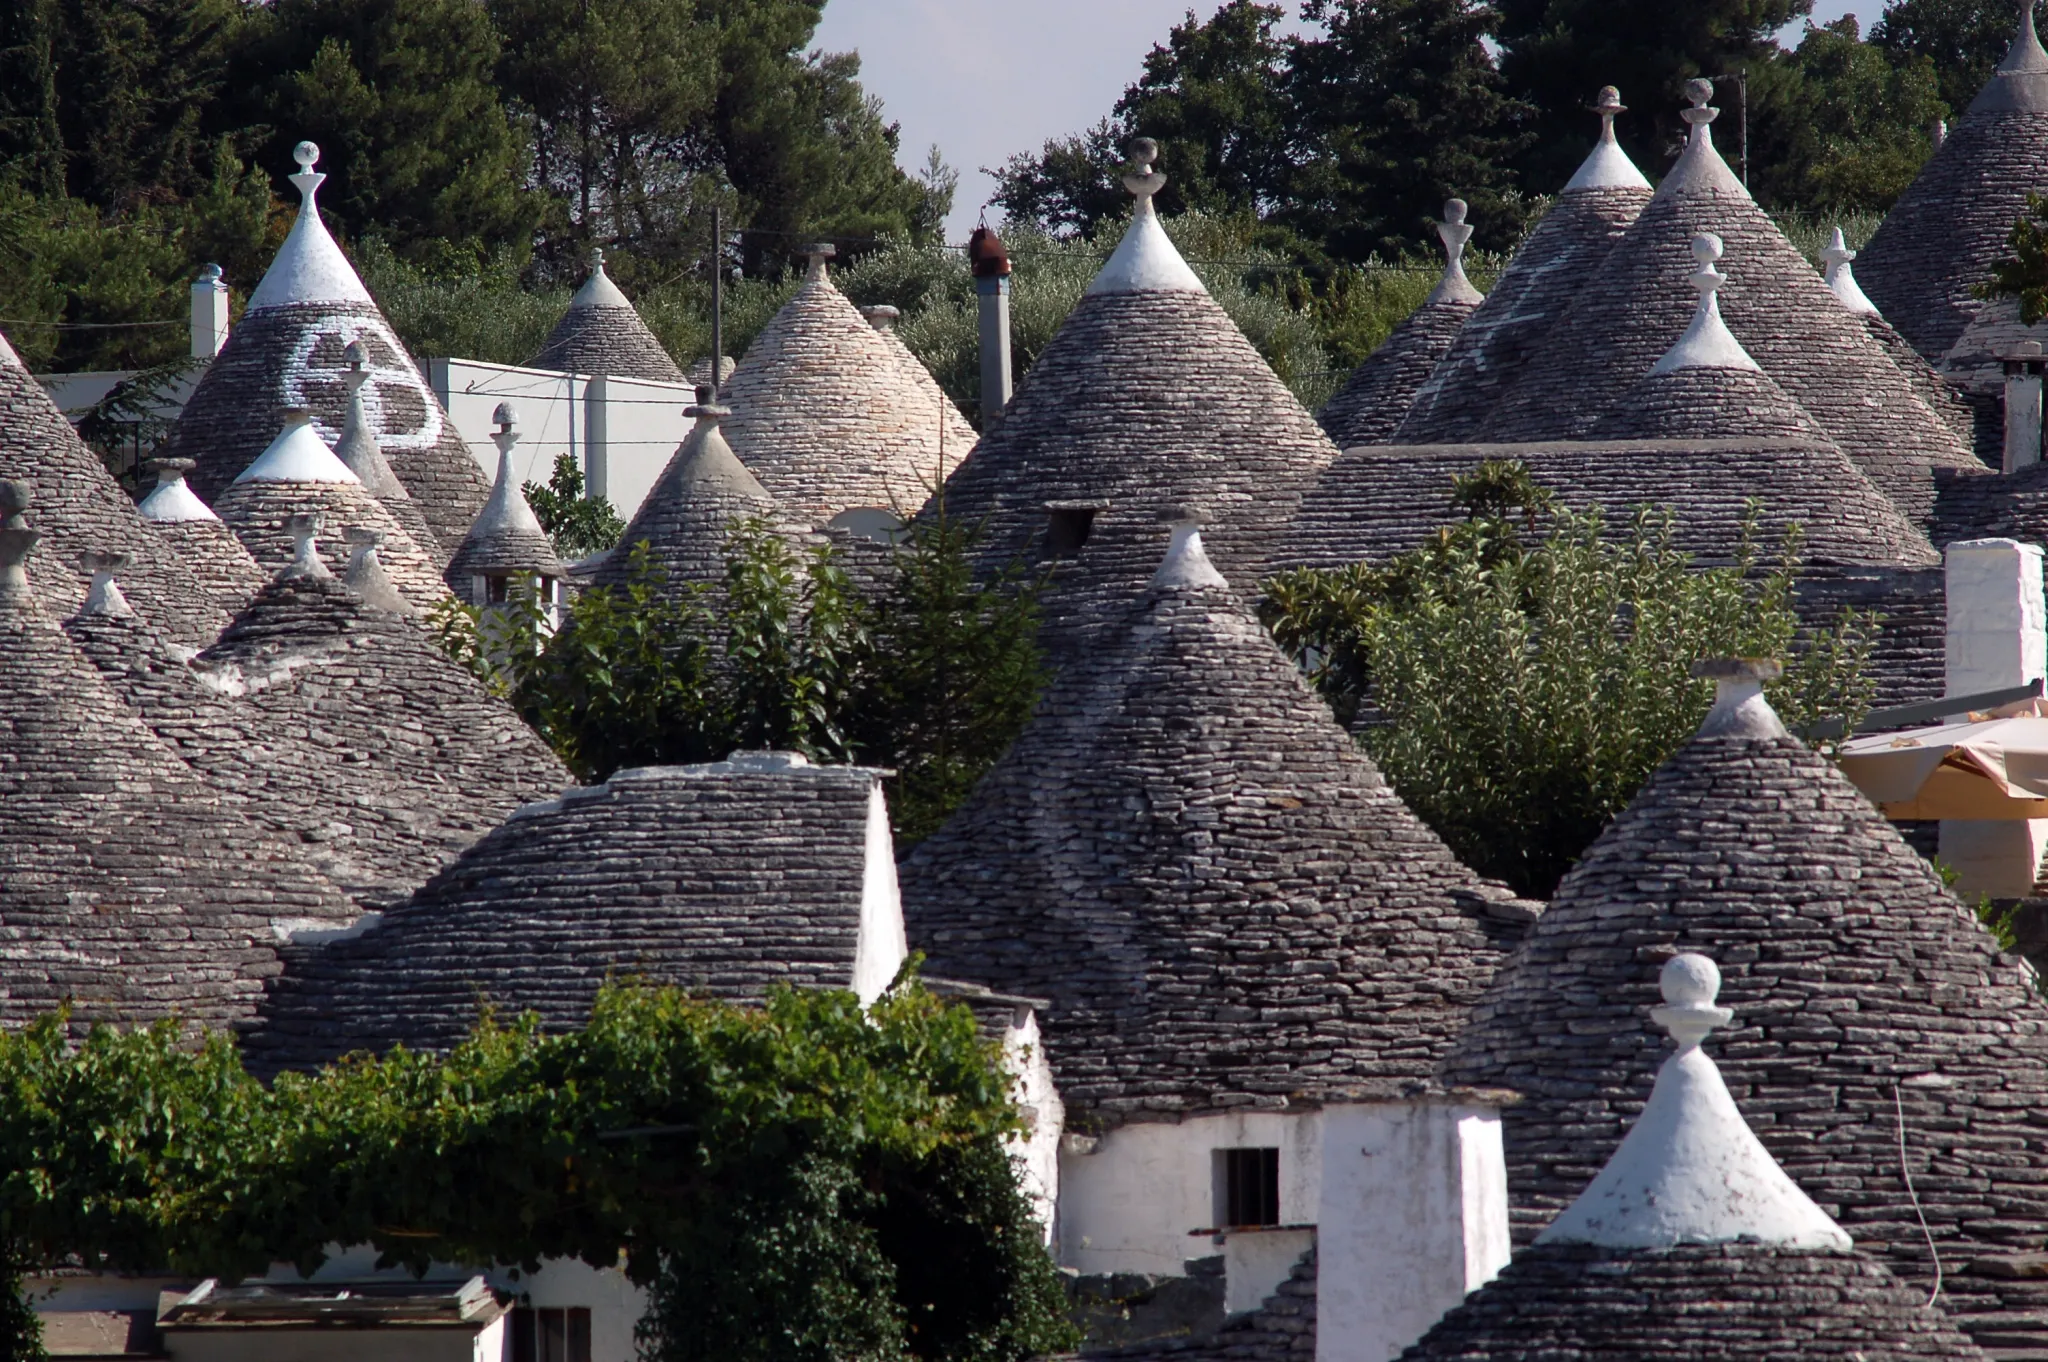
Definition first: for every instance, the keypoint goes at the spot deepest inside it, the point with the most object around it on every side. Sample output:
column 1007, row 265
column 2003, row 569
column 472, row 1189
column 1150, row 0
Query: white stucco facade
column 1997, row 637
column 1037, row 1148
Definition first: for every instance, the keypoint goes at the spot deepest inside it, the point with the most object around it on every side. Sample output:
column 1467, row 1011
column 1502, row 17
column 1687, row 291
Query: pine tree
column 31, row 147
column 1964, row 39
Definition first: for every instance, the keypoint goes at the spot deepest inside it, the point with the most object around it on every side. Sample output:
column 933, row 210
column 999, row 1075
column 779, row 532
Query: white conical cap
column 309, row 267
column 2020, row 84
column 598, row 290
column 1186, row 564
column 298, row 454
column 1707, row 342
column 1841, row 281
column 1145, row 261
column 1700, row 169
column 172, row 500
column 506, row 511
column 1607, row 166
column 1690, row 1170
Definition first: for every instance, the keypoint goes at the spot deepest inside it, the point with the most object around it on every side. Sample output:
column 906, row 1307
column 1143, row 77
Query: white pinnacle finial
column 1454, row 232
column 1607, row 166
column 1740, row 709
column 1142, row 180
column 1187, row 562
column 1690, row 1170
column 815, row 256
column 1702, row 114
column 1707, row 342
column 506, row 438
column 308, row 179
column 309, row 267
column 1841, row 281
column 104, row 596
column 356, row 375
column 597, row 260
column 304, row 529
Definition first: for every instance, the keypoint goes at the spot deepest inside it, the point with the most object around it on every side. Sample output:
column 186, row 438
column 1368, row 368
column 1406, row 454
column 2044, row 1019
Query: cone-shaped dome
column 1942, row 237
column 128, row 888
column 1945, row 398
column 960, row 434
column 1625, row 314
column 689, row 515
column 1146, row 397
column 507, row 539
column 1692, row 1242
column 1507, row 330
column 288, row 351
column 80, row 508
column 205, row 547
column 1706, row 387
column 1180, row 787
column 823, row 416
column 1868, row 1000
column 727, row 879
column 1373, row 401
column 602, row 333
column 299, row 475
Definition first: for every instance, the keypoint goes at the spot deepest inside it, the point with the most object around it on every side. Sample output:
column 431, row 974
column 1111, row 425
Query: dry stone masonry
column 602, row 333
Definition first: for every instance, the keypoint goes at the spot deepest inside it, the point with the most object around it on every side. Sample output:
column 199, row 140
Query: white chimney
column 2023, row 406
column 1997, row 638
column 209, row 313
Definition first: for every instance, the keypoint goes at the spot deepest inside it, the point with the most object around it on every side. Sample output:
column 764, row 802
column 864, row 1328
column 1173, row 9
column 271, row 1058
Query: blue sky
column 985, row 78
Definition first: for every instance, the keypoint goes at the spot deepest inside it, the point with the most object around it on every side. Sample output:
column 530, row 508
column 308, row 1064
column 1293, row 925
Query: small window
column 1248, row 1190
column 550, row 1335
column 1067, row 529
column 497, row 590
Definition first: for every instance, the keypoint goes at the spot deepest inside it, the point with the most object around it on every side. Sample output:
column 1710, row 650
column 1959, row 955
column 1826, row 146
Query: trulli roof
column 823, row 414
column 1505, row 332
column 1625, row 314
column 128, row 888
column 299, row 475
column 1179, row 826
column 79, row 508
column 602, row 333
column 729, row 878
column 959, row 431
column 205, row 547
column 359, row 452
column 1941, row 238
column 1373, row 401
column 688, row 516
column 507, row 538
column 1147, row 397
column 287, row 351
column 1872, row 1010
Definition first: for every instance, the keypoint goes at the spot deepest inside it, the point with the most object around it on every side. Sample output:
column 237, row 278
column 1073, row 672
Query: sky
column 983, row 79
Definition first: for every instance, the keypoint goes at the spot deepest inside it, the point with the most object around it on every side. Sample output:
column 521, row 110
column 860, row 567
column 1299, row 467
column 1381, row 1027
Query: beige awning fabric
column 1986, row 769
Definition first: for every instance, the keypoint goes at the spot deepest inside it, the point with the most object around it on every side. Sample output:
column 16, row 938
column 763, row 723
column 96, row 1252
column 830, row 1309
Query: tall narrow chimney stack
column 209, row 313
column 2023, row 367
column 1997, row 637
column 991, row 265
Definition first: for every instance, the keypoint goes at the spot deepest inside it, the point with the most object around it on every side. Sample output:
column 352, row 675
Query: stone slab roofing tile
column 128, row 888
column 1624, row 316
column 1866, row 998
column 1532, row 293
column 80, row 508
column 205, row 547
column 823, row 414
column 1224, row 902
column 728, row 879
column 602, row 333
column 1943, row 235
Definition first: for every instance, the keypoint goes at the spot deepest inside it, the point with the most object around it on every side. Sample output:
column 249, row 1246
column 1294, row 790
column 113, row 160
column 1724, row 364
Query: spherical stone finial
column 505, row 415
column 1143, row 181
column 14, row 499
column 355, row 354
column 1454, row 211
column 1707, row 248
column 1699, row 90
column 211, row 274
column 307, row 154
column 1608, row 101
column 597, row 260
column 1690, row 983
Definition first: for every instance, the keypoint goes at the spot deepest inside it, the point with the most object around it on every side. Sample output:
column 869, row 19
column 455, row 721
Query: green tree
column 1963, row 39
column 1525, row 671
column 31, row 143
column 400, row 96
column 2024, row 273
column 578, row 524
column 1849, row 127
column 1070, row 186
column 1558, row 53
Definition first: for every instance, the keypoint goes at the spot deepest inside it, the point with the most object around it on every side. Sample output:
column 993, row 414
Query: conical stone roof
column 602, row 333
column 343, row 722
column 507, row 539
column 1147, row 397
column 205, row 547
column 960, row 433
column 1943, row 235
column 1692, row 1242
column 1179, row 826
column 1706, row 386
column 1625, row 314
column 80, row 508
column 1873, row 1008
column 688, row 517
column 1373, row 401
column 824, row 417
column 288, row 351
column 299, row 475
column 728, row 879
column 359, row 452
column 128, row 888
column 1507, row 331
column 1946, row 400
